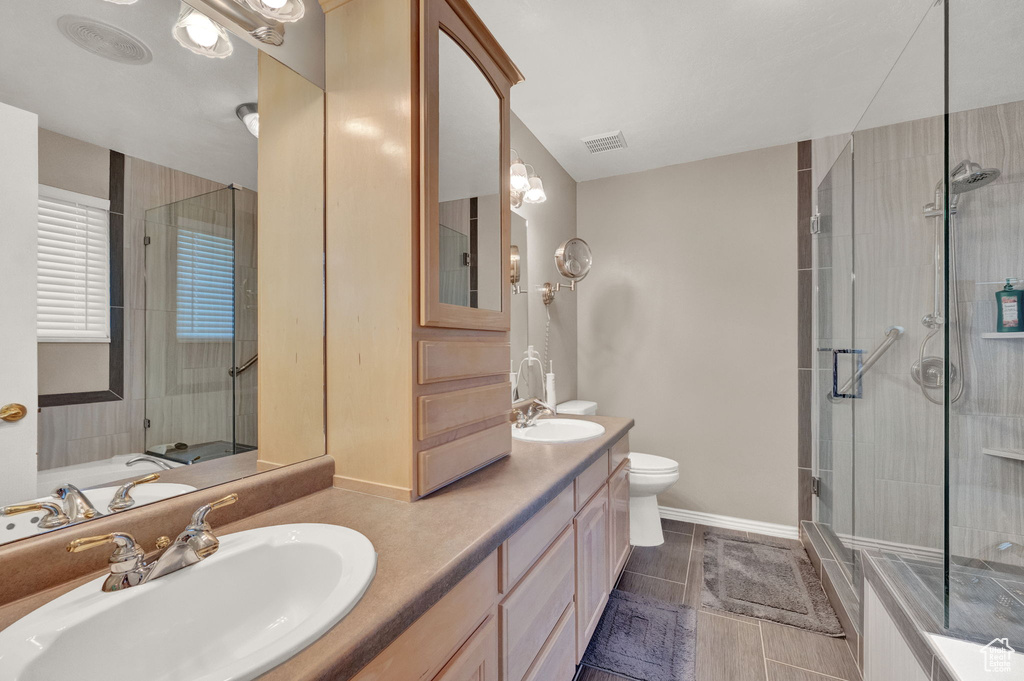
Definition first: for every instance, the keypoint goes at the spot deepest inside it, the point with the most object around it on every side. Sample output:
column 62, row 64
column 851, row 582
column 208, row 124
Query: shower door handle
column 855, row 382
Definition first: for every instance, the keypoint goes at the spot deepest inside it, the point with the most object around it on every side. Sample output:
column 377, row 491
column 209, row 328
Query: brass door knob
column 13, row 412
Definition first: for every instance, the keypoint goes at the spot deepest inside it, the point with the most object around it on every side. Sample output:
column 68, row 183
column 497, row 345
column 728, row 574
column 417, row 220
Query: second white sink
column 556, row 431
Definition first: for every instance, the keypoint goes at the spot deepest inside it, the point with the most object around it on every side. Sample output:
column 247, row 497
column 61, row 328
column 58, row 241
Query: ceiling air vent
column 609, row 141
column 104, row 40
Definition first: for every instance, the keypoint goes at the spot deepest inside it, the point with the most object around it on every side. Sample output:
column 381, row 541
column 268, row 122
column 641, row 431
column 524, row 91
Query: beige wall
column 548, row 225
column 688, row 324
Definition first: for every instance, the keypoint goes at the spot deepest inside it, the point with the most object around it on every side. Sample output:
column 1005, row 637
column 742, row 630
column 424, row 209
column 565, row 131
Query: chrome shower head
column 968, row 176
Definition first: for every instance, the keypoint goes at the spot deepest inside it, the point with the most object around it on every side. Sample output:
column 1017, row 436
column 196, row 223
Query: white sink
column 24, row 525
column 264, row 596
column 554, row 431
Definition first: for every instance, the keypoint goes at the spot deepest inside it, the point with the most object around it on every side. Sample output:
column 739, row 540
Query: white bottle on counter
column 549, row 387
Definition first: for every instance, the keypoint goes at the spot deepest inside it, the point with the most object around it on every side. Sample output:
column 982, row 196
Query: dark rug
column 645, row 639
column 765, row 579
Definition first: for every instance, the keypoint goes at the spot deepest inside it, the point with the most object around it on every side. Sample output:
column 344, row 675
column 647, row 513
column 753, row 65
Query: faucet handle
column 55, row 516
column 127, row 562
column 122, row 497
column 199, row 517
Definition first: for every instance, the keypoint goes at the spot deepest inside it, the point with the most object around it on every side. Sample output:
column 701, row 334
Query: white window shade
column 73, row 282
column 206, row 288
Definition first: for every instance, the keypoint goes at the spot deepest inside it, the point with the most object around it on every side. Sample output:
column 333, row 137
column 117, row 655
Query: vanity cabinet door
column 592, row 571
column 618, row 521
column 477, row 660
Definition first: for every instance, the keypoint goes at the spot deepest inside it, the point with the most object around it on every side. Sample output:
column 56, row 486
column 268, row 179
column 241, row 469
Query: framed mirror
column 135, row 347
column 466, row 216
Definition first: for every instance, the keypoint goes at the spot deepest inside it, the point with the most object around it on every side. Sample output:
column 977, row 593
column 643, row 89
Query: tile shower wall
column 81, row 433
column 986, row 503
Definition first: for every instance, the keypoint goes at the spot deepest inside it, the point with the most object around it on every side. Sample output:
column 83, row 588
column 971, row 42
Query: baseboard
column 730, row 523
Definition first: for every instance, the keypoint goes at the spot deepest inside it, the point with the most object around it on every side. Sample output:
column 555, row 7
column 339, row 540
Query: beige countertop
column 423, row 548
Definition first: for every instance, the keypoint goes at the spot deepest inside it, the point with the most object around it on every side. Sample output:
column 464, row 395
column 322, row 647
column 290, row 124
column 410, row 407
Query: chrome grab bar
column 892, row 334
column 235, row 371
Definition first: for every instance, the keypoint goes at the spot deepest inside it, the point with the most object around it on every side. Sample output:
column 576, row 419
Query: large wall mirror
column 466, row 273
column 147, row 259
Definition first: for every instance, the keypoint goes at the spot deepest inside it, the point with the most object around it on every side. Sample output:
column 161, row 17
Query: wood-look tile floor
column 729, row 647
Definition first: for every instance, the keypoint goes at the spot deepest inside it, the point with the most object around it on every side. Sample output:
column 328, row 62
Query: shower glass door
column 190, row 328
column 835, row 363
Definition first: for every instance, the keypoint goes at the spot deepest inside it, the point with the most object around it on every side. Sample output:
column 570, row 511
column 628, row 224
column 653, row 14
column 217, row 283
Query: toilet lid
column 648, row 463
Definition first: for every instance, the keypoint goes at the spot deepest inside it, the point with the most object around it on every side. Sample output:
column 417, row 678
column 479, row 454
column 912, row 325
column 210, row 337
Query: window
column 206, row 289
column 73, row 281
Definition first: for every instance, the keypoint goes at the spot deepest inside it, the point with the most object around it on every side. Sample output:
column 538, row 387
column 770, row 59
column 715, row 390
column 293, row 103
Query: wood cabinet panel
column 477, row 660
column 444, row 464
column 529, row 614
column 590, row 480
column 523, row 548
column 557, row 659
column 618, row 453
column 444, row 412
column 455, row 360
column 428, row 645
column 592, row 583
column 618, row 521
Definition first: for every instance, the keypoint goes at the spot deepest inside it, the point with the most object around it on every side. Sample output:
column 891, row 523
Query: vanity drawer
column 522, row 549
column 590, row 480
column 478, row 659
column 535, row 606
column 430, row 643
column 556, row 661
column 618, row 453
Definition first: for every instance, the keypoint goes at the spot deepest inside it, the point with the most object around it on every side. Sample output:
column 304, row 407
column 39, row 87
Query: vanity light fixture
column 250, row 116
column 278, row 10
column 524, row 182
column 123, row 2
column 519, row 178
column 200, row 34
column 535, row 194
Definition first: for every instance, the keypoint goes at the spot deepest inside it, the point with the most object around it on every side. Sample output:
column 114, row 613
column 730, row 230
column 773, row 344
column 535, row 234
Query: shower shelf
column 1014, row 454
column 1003, row 336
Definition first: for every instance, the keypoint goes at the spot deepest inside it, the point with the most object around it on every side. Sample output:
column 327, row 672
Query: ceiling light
column 520, row 180
column 278, row 10
column 200, row 34
column 250, row 116
column 123, row 2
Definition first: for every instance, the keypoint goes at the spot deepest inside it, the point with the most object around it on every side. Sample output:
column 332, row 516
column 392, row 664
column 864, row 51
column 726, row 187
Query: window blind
column 73, row 280
column 206, row 290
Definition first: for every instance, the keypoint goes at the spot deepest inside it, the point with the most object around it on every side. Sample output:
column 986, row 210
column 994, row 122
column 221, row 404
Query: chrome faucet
column 128, row 566
column 145, row 459
column 67, row 507
column 536, row 408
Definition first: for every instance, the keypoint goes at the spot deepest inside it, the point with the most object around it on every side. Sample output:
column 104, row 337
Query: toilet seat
column 649, row 463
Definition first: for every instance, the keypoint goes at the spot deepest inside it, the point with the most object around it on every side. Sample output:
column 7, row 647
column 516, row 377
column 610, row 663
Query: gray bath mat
column 645, row 639
column 767, row 580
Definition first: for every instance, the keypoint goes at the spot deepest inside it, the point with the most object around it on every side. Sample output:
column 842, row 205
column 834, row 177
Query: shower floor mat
column 767, row 580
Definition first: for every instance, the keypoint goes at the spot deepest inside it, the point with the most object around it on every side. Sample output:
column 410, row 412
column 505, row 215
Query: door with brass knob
column 13, row 412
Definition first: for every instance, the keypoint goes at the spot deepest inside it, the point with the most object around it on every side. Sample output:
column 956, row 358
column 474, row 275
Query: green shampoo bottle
column 1009, row 302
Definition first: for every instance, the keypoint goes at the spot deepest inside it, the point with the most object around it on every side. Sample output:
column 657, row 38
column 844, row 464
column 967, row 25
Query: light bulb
column 274, row 4
column 535, row 194
column 201, row 30
column 278, row 10
column 520, row 182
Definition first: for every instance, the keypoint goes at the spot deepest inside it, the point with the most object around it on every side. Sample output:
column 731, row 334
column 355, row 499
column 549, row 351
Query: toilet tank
column 578, row 407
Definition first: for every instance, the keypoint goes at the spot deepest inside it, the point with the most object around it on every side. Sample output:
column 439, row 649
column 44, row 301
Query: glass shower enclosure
column 201, row 350
column 919, row 399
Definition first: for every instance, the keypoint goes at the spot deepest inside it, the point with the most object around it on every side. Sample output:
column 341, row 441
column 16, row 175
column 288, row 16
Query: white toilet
column 649, row 475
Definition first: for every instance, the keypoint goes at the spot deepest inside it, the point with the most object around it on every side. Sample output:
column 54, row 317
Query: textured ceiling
column 178, row 110
column 686, row 80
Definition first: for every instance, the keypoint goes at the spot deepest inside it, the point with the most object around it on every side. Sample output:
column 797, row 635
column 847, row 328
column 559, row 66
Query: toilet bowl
column 649, row 475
